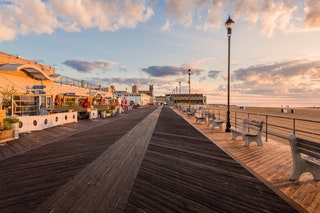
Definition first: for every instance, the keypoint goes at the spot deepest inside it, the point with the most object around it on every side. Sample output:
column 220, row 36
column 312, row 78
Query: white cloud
column 166, row 26
column 277, row 16
column 271, row 15
column 183, row 11
column 215, row 12
column 105, row 15
column 24, row 17
column 88, row 66
column 180, row 11
column 36, row 16
column 312, row 14
column 296, row 77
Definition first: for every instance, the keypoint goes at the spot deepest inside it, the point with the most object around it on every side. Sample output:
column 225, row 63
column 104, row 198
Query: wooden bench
column 251, row 131
column 191, row 113
column 200, row 117
column 305, row 157
column 212, row 120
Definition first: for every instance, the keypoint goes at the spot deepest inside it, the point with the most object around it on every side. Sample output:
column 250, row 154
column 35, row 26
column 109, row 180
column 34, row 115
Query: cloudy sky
column 275, row 45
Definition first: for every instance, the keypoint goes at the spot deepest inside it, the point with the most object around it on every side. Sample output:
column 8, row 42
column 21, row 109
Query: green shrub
column 11, row 120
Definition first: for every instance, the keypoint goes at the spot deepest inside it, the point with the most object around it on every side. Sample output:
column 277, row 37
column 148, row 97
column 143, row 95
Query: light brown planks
column 272, row 163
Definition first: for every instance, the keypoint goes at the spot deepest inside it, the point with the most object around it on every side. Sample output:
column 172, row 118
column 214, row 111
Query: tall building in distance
column 135, row 90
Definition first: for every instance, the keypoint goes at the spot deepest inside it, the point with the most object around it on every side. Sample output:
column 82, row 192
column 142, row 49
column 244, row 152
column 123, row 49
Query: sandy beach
column 309, row 113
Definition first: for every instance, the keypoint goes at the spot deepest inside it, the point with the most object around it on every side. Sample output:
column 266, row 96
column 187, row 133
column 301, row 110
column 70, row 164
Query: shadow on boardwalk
column 181, row 171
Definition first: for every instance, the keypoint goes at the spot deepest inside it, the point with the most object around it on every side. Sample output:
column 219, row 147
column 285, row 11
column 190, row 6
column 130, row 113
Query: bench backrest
column 252, row 125
column 307, row 147
column 212, row 115
column 200, row 113
column 191, row 111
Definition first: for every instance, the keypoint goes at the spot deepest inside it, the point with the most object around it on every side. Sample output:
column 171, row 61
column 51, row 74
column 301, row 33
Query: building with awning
column 30, row 88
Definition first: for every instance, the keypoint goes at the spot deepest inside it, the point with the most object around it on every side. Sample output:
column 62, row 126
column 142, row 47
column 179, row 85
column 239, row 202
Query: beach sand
column 308, row 113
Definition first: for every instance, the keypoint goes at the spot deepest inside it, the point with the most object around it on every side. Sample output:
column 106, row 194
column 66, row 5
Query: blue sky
column 275, row 45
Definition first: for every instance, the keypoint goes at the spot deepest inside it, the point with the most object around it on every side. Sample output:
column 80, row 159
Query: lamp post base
column 228, row 125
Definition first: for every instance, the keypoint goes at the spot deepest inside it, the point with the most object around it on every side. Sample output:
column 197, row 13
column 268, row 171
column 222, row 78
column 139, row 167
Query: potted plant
column 14, row 123
column 113, row 110
column 102, row 113
column 108, row 112
column 6, row 132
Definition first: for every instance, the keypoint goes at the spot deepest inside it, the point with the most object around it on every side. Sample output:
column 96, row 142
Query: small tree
column 6, row 95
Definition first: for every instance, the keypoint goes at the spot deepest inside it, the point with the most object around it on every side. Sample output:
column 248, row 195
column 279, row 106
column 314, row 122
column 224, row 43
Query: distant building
column 160, row 99
column 137, row 97
column 184, row 99
column 148, row 92
column 135, row 90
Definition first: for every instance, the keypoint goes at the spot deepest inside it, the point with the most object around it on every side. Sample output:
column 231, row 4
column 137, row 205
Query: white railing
column 35, row 123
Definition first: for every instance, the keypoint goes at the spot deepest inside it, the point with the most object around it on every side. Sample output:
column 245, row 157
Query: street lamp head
column 189, row 71
column 229, row 25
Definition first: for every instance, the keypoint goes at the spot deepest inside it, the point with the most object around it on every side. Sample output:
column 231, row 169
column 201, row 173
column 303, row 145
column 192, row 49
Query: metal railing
column 275, row 126
column 78, row 83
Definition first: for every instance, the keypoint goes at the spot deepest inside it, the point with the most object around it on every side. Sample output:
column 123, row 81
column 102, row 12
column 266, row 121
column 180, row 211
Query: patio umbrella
column 117, row 101
column 85, row 104
column 56, row 100
column 62, row 101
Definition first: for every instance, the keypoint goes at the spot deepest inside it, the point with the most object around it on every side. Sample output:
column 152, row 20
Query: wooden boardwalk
column 271, row 163
column 31, row 177
column 134, row 163
column 105, row 185
column 183, row 171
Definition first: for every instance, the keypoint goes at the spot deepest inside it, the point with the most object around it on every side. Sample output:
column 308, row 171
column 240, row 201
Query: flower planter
column 103, row 114
column 6, row 135
column 15, row 128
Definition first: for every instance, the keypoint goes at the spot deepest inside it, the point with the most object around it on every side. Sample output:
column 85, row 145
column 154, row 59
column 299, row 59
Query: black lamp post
column 189, row 73
column 229, row 25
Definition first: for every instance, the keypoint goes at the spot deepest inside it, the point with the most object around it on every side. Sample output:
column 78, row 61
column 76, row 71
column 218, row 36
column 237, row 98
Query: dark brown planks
column 30, row 177
column 106, row 183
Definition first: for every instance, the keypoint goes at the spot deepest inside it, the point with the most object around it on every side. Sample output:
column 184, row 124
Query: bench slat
column 306, row 142
column 305, row 156
column 309, row 152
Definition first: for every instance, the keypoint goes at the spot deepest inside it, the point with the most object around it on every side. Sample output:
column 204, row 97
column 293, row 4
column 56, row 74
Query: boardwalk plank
column 279, row 168
column 40, row 172
column 86, row 170
column 188, row 168
column 106, row 183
